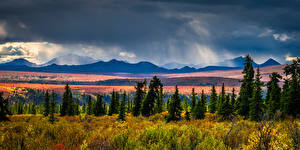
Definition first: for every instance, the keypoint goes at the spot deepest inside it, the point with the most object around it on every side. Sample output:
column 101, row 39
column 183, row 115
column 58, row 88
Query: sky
column 202, row 32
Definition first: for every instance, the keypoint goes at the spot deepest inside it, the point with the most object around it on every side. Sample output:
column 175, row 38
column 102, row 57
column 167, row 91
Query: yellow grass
column 89, row 132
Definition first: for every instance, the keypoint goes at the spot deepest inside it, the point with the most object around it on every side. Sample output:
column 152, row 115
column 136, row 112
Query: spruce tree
column 72, row 105
column 52, row 108
column 185, row 104
column 168, row 102
column 213, row 100
column 152, row 96
column 129, row 106
column 223, row 104
column 175, row 106
column 160, row 100
column 66, row 102
column 221, row 99
column 193, row 100
column 117, row 102
column 186, row 109
column 90, row 106
column 46, row 105
column 246, row 89
column 121, row 115
column 273, row 94
column 199, row 110
column 139, row 95
column 3, row 108
column 284, row 98
column 148, row 103
column 113, row 107
column 99, row 108
column 105, row 107
column 203, row 100
column 256, row 102
column 77, row 108
column 293, row 99
column 226, row 110
column 232, row 99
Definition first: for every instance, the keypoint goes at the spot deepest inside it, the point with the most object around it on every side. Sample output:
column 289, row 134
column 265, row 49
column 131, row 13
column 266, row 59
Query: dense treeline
column 149, row 99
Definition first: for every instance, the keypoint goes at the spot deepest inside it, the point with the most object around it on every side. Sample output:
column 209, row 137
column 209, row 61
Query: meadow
column 29, row 76
column 9, row 88
column 90, row 132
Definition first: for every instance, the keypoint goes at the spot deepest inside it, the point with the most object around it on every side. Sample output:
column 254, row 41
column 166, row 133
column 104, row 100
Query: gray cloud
column 161, row 31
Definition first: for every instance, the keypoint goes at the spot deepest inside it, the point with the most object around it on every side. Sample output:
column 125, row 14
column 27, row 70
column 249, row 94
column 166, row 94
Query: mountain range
column 71, row 59
column 56, row 65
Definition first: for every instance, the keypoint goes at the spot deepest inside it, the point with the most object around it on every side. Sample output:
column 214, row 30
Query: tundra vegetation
column 152, row 120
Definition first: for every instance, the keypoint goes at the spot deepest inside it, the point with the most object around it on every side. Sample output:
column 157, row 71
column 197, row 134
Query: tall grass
column 89, row 132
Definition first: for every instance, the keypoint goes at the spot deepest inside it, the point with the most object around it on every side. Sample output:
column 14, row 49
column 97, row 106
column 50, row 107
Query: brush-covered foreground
column 89, row 132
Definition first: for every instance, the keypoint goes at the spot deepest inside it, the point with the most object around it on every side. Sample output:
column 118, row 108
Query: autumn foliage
column 106, row 132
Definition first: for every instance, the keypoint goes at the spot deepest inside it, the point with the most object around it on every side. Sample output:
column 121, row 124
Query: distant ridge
column 19, row 62
column 71, row 59
column 237, row 62
column 269, row 62
column 116, row 66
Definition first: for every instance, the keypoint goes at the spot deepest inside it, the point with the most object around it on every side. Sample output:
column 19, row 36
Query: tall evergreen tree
column 213, row 100
column 148, row 103
column 114, row 102
column 160, row 100
column 246, row 89
column 3, row 108
column 152, row 96
column 67, row 102
column 256, row 102
column 273, row 93
column 175, row 106
column 186, row 109
column 90, row 106
column 77, row 108
column 52, row 108
column 72, row 105
column 222, row 104
column 203, row 100
column 185, row 104
column 221, row 99
column 284, row 98
column 193, row 100
column 199, row 110
column 156, row 85
column 232, row 99
column 105, row 108
column 226, row 109
column 46, row 105
column 117, row 102
column 139, row 95
column 168, row 103
column 99, row 108
column 121, row 115
column 129, row 106
column 293, row 99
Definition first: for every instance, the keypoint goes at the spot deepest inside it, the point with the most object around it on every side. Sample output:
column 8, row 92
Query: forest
column 151, row 119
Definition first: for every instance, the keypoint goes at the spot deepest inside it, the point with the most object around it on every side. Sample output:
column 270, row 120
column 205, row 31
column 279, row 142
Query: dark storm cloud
column 160, row 30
